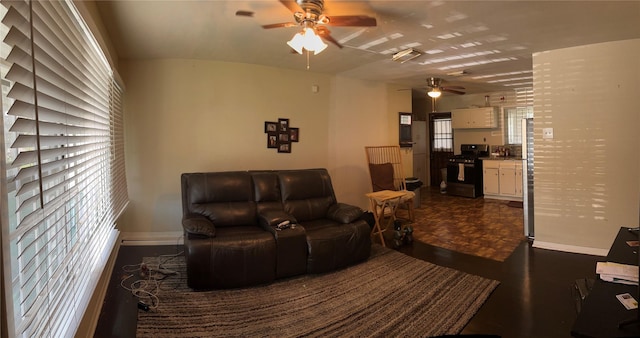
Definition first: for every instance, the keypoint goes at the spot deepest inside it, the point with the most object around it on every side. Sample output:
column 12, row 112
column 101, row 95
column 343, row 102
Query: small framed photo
column 272, row 140
column 270, row 127
column 283, row 137
column 284, row 147
column 284, row 125
column 294, row 134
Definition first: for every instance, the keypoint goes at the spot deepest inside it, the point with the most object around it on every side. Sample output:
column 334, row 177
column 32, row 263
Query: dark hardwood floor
column 534, row 298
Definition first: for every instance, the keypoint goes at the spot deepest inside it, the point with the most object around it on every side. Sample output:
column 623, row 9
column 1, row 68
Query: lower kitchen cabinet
column 491, row 177
column 502, row 179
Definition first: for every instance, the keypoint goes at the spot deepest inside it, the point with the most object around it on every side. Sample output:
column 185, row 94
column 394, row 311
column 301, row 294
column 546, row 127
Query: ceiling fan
column 308, row 15
column 435, row 84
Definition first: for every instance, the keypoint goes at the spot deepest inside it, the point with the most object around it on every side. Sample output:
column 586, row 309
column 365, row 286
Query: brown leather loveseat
column 232, row 219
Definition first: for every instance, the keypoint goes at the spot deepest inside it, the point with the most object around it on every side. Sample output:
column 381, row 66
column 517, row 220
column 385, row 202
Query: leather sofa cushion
column 267, row 190
column 344, row 213
column 228, row 214
column 313, row 200
column 198, row 225
column 231, row 186
column 225, row 198
column 333, row 246
column 316, row 183
column 308, row 209
column 238, row 256
column 266, row 185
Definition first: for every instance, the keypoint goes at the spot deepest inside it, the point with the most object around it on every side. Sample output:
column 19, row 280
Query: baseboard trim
column 152, row 238
column 570, row 248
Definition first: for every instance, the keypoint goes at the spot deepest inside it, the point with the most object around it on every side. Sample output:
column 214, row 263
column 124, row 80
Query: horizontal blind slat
column 26, row 126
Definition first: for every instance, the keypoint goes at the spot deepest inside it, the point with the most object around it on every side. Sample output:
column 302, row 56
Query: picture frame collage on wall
column 280, row 135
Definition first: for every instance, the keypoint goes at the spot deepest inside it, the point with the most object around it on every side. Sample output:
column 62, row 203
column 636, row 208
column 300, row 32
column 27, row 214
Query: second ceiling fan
column 435, row 84
column 308, row 15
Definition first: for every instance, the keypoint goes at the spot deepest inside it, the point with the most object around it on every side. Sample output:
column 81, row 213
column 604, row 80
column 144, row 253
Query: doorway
column 440, row 145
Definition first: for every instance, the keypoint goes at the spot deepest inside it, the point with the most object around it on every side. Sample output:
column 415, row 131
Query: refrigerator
column 527, row 176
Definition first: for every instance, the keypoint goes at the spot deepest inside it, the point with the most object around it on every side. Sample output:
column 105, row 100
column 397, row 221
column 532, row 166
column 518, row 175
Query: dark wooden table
column 601, row 312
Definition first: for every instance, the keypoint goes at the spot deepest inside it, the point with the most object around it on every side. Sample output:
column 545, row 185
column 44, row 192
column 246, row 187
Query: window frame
column 512, row 126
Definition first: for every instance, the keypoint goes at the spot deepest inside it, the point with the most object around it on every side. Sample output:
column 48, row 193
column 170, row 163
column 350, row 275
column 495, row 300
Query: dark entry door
column 441, row 145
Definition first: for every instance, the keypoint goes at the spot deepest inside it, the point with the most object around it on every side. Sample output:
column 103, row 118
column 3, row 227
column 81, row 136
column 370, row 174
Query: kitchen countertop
column 501, row 158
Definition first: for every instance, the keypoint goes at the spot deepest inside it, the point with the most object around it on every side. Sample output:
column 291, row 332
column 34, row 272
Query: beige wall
column 194, row 115
column 362, row 114
column 587, row 177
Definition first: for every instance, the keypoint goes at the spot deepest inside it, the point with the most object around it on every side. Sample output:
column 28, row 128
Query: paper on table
column 617, row 273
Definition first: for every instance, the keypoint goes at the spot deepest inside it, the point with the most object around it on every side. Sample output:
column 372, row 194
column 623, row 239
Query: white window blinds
column 513, row 116
column 64, row 149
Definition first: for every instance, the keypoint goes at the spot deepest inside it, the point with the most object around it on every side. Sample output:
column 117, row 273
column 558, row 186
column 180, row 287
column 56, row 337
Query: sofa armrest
column 198, row 225
column 344, row 213
column 272, row 218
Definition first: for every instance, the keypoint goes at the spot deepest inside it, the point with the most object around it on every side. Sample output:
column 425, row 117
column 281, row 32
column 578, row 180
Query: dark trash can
column 414, row 184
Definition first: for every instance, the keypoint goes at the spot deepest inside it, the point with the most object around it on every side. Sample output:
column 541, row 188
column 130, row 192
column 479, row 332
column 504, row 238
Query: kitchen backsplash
column 514, row 150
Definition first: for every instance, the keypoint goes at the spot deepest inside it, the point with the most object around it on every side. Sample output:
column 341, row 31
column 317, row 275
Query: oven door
column 453, row 173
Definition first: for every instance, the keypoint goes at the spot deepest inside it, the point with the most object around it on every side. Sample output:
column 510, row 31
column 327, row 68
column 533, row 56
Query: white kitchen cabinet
column 491, row 177
column 502, row 179
column 474, row 118
column 507, row 178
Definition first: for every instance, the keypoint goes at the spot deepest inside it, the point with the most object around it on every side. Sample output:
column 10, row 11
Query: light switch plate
column 547, row 133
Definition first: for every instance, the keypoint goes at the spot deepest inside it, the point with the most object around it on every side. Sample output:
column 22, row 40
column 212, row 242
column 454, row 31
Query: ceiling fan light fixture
column 297, row 42
column 307, row 39
column 434, row 93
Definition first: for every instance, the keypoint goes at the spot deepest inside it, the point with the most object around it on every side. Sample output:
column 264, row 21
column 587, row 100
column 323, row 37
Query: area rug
column 390, row 294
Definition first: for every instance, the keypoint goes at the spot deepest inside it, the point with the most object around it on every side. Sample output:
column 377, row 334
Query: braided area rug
column 390, row 294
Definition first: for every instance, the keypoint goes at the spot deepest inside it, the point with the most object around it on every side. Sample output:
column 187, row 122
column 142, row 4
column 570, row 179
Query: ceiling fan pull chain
column 308, row 59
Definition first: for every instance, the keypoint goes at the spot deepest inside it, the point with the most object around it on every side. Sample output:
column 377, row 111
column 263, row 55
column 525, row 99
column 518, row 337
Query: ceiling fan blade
column 324, row 33
column 454, row 87
column 291, row 5
column 448, row 90
column 352, row 20
column 244, row 13
column 279, row 25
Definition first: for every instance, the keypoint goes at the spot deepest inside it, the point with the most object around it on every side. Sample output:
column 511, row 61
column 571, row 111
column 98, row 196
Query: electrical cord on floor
column 151, row 278
column 147, row 299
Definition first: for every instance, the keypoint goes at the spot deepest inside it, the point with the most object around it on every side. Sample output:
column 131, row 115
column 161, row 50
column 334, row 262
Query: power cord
column 145, row 291
column 151, row 278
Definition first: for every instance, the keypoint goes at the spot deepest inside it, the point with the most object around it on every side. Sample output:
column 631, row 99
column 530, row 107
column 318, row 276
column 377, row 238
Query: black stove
column 464, row 171
column 462, row 159
column 470, row 153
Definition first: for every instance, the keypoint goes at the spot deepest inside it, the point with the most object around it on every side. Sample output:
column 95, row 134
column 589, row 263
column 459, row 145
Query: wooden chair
column 386, row 173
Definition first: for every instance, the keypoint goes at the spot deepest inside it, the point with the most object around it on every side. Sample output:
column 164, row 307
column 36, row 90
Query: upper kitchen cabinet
column 474, row 118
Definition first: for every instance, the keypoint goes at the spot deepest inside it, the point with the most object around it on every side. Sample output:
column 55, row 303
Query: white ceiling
column 491, row 40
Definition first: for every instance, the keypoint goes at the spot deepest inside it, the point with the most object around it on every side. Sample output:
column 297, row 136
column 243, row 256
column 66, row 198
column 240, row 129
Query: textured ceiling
column 492, row 41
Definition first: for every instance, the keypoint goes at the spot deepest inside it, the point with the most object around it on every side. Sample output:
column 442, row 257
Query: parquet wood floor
column 475, row 226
